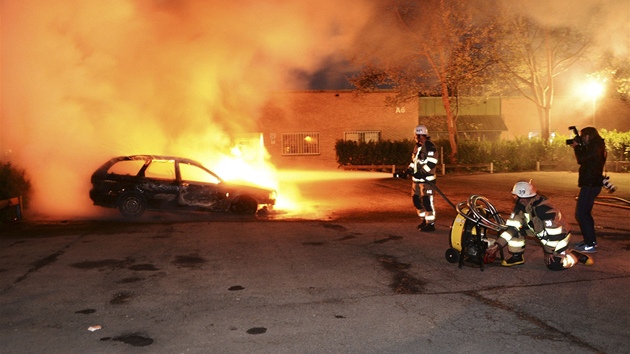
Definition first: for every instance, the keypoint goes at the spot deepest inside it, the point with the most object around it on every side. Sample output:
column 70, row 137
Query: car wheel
column 132, row 205
column 244, row 205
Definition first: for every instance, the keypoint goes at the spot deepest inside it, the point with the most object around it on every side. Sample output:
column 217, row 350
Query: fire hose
column 469, row 237
column 475, row 204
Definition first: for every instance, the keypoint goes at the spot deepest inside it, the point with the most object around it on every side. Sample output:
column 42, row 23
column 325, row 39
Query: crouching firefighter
column 422, row 170
column 534, row 215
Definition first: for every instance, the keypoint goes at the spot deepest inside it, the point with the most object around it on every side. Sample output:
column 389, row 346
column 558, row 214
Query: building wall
column 331, row 113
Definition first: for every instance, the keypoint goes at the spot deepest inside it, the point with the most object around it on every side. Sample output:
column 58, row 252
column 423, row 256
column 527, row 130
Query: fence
column 11, row 209
column 441, row 167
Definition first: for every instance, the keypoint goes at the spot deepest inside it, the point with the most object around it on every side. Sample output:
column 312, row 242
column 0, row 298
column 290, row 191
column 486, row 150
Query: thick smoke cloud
column 85, row 80
column 608, row 21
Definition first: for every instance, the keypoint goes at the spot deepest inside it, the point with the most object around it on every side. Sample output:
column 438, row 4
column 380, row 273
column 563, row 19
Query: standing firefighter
column 422, row 169
column 534, row 215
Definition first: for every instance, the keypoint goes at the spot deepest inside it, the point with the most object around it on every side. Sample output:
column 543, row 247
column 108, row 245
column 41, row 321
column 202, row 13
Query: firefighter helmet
column 421, row 130
column 524, row 189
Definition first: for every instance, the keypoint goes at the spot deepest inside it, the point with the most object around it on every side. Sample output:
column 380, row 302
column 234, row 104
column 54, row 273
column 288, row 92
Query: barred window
column 300, row 143
column 365, row 136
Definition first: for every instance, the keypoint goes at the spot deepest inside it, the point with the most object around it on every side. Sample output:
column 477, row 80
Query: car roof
column 156, row 157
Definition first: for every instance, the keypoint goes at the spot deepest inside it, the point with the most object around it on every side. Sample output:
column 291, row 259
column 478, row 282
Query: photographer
column 590, row 151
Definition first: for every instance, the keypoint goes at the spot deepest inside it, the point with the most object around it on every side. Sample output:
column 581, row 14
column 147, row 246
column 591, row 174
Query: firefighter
column 534, row 215
column 422, row 170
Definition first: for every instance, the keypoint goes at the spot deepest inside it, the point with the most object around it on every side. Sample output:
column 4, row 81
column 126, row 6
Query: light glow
column 593, row 89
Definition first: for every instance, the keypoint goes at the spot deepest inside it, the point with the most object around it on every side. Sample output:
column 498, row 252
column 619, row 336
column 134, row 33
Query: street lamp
column 593, row 89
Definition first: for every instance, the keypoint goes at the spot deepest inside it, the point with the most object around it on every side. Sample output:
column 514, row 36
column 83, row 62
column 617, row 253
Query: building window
column 364, row 136
column 300, row 144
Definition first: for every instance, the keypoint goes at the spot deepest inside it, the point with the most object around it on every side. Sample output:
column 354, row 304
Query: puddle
column 256, row 330
column 390, row 238
column 402, row 282
column 349, row 237
column 105, row 263
column 129, row 280
column 86, row 311
column 134, row 339
column 335, row 227
column 149, row 267
column 191, row 261
column 120, row 298
column 314, row 243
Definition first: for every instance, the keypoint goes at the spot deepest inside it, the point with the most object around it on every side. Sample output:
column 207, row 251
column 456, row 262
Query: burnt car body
column 137, row 183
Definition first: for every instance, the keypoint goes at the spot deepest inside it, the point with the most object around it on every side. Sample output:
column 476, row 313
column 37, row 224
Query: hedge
column 519, row 154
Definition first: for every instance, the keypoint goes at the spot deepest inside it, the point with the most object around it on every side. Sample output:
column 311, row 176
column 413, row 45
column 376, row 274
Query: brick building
column 300, row 128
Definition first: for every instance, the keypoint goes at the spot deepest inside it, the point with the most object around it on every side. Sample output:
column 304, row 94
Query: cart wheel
column 452, row 255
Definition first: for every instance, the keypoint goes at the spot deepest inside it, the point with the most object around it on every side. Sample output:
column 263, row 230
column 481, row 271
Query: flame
column 248, row 162
column 86, row 80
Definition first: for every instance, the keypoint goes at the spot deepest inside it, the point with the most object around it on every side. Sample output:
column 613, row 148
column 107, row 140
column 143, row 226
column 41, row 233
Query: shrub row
column 520, row 154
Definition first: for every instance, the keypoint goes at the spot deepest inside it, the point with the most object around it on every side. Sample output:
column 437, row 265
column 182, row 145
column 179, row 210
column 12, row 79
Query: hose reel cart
column 475, row 228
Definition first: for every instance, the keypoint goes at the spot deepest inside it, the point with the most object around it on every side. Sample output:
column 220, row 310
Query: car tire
column 132, row 205
column 244, row 205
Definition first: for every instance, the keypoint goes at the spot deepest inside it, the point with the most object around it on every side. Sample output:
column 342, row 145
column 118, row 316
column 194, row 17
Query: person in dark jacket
column 590, row 153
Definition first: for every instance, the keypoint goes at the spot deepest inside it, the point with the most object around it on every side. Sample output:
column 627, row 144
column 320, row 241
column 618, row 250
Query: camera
column 577, row 138
column 608, row 185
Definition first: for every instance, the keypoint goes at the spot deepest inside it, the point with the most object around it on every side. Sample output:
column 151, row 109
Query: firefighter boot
column 583, row 257
column 423, row 224
column 516, row 259
column 428, row 228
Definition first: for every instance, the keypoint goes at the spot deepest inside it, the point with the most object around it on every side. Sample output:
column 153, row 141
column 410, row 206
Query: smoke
column 608, row 21
column 85, row 80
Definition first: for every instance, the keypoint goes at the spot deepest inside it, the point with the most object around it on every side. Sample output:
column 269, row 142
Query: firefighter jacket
column 591, row 157
column 541, row 219
column 424, row 160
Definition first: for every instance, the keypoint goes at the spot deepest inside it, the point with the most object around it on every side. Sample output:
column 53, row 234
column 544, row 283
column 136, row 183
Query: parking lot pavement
column 360, row 279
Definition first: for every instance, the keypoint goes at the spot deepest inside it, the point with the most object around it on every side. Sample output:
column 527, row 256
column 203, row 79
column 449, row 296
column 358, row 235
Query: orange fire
column 84, row 81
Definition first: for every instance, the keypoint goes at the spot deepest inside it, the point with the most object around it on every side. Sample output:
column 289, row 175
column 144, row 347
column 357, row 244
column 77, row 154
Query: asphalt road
column 348, row 274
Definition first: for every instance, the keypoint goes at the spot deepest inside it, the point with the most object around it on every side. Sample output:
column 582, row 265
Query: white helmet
column 421, row 130
column 524, row 189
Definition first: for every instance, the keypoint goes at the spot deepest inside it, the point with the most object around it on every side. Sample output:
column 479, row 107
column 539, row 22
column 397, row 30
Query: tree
column 430, row 49
column 531, row 56
column 616, row 73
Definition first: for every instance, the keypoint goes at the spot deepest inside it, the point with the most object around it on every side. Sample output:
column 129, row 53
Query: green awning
column 466, row 124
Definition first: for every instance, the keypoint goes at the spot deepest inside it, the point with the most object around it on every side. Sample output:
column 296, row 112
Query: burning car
column 137, row 183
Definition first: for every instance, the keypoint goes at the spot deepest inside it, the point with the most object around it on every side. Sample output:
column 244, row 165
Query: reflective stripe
column 516, row 243
column 556, row 245
column 554, row 231
column 511, row 222
column 568, row 260
column 506, row 236
column 548, row 243
column 563, row 243
column 427, row 178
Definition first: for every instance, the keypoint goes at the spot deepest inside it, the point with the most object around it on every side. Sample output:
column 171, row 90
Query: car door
column 199, row 187
column 160, row 183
